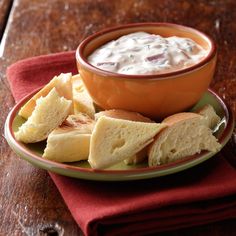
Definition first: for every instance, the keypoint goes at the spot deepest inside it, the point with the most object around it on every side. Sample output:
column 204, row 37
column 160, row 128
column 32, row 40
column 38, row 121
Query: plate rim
column 131, row 174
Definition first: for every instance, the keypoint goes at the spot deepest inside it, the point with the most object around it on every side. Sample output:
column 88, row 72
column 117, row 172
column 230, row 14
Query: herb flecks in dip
column 144, row 53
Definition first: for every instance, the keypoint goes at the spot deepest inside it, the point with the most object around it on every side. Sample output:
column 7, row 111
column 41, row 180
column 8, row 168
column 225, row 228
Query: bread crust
column 125, row 115
column 178, row 117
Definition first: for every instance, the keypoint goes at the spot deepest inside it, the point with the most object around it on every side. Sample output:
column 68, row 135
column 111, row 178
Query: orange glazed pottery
column 156, row 95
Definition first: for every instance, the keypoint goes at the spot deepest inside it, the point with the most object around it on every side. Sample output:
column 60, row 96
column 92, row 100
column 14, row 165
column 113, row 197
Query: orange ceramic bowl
column 157, row 95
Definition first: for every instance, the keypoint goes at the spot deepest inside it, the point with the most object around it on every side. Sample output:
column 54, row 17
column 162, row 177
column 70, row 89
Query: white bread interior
column 61, row 83
column 133, row 116
column 82, row 100
column 70, row 141
column 208, row 112
column 138, row 157
column 114, row 140
column 49, row 112
column 186, row 135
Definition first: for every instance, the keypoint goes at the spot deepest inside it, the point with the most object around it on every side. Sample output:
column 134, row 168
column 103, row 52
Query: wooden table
column 30, row 204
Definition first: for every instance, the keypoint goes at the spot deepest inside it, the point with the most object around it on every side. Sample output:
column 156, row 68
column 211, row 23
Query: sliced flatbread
column 114, row 140
column 186, row 135
column 49, row 112
column 70, row 142
column 82, row 100
column 61, row 83
column 133, row 116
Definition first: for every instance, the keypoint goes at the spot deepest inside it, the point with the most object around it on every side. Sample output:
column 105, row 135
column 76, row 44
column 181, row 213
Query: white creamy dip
column 144, row 53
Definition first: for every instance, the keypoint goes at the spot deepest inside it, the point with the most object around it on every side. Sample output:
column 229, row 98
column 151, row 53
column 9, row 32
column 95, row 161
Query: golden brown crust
column 124, row 115
column 176, row 118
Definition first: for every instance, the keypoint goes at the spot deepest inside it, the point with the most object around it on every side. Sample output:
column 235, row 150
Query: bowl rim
column 81, row 59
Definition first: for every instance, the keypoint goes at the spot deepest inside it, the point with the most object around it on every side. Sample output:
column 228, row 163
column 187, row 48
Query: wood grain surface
column 29, row 202
column 5, row 6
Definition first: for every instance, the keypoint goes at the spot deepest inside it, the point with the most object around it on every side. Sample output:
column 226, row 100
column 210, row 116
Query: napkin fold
column 200, row 195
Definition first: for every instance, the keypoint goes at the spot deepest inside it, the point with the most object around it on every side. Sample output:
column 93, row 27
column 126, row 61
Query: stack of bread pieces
column 63, row 113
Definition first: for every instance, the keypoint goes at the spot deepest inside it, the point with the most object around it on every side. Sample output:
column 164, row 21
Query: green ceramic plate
column 33, row 152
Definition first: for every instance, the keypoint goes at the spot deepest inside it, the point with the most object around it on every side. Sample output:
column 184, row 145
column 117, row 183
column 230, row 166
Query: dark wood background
column 29, row 202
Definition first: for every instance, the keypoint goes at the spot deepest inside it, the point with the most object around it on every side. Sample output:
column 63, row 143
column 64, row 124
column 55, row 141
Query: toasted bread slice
column 82, row 100
column 70, row 142
column 61, row 83
column 212, row 119
column 133, row 116
column 49, row 112
column 186, row 135
column 114, row 140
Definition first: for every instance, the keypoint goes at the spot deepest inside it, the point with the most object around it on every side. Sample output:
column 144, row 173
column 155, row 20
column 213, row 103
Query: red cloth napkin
column 203, row 194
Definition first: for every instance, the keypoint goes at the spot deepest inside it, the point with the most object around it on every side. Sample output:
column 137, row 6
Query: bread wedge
column 212, row 119
column 82, row 100
column 186, row 135
column 70, row 142
column 49, row 112
column 133, row 116
column 61, row 83
column 114, row 140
